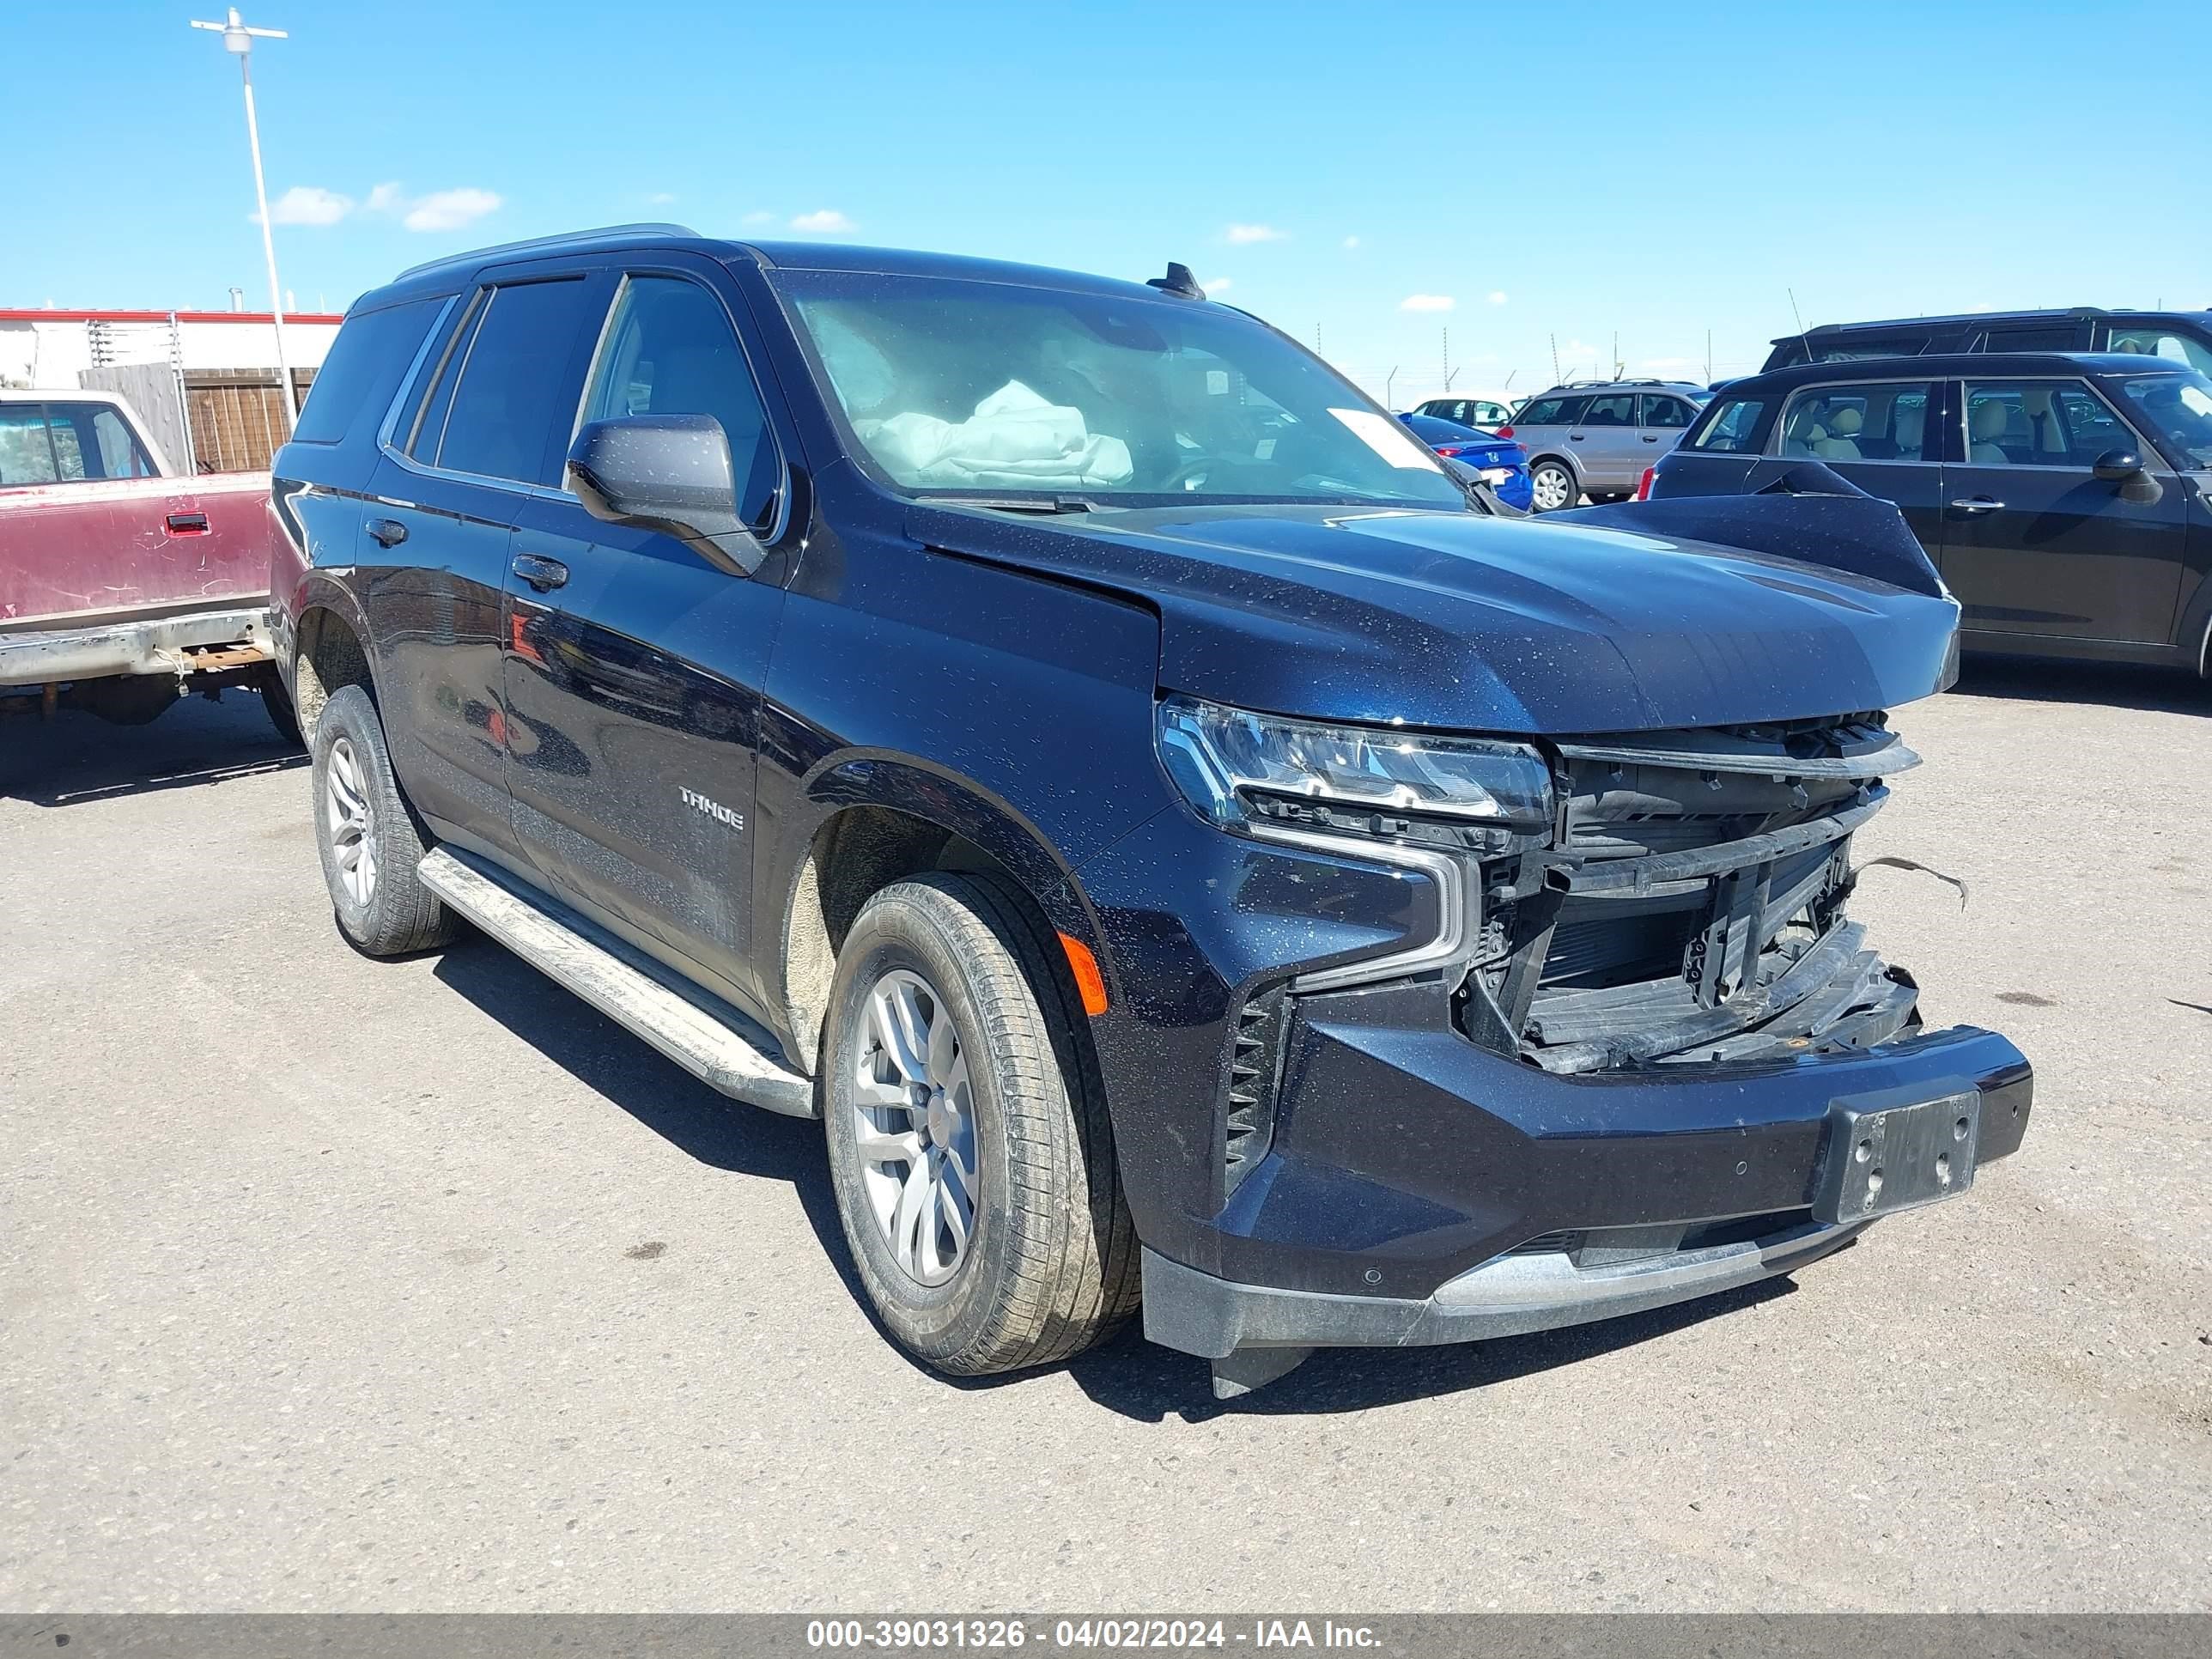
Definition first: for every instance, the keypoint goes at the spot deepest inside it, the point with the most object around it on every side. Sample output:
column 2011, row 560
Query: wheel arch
column 329, row 648
column 875, row 819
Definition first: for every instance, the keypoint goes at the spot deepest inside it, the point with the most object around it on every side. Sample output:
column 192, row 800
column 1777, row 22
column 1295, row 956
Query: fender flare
column 932, row 795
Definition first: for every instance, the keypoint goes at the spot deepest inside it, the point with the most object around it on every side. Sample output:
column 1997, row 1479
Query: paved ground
column 330, row 1284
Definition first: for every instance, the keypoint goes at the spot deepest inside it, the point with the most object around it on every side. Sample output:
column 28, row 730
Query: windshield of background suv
column 2178, row 409
column 950, row 386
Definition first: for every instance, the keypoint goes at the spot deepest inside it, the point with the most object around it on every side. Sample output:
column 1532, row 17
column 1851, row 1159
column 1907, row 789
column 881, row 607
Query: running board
column 716, row 1044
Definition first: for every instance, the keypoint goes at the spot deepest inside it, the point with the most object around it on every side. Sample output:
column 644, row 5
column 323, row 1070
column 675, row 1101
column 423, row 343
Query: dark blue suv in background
column 2063, row 495
column 1185, row 850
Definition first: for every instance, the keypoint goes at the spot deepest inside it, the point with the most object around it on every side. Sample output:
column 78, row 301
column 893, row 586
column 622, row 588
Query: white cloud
column 307, row 204
column 661, row 197
column 758, row 216
column 1496, row 297
column 1217, row 285
column 385, row 198
column 1242, row 233
column 824, row 222
column 1351, row 241
column 450, row 210
column 1426, row 302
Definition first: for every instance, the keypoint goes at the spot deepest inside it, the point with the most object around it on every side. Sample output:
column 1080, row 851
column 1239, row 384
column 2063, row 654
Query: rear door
column 466, row 449
column 1879, row 435
column 1661, row 419
column 2034, row 543
column 1606, row 443
column 636, row 672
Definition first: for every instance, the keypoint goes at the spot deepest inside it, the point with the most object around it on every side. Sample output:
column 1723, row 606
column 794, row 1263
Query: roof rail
column 1569, row 385
column 546, row 245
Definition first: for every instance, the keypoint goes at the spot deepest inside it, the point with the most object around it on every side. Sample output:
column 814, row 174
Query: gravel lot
column 330, row 1284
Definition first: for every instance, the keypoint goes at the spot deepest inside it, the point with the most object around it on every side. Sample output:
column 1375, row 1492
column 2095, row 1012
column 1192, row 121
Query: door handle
column 1575, row 437
column 388, row 532
column 188, row 524
column 1650, row 437
column 543, row 574
column 1974, row 505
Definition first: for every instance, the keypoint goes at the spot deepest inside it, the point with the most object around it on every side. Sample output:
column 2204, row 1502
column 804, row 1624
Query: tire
column 1553, row 486
column 359, row 810
column 282, row 715
column 1049, row 1263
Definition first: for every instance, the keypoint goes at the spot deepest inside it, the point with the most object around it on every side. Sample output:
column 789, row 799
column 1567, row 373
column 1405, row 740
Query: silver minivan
column 1595, row 437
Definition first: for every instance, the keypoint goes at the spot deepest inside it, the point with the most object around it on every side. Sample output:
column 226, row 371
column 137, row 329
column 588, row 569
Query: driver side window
column 669, row 350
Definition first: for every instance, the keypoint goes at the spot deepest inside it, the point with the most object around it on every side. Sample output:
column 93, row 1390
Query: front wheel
column 968, row 1146
column 1554, row 486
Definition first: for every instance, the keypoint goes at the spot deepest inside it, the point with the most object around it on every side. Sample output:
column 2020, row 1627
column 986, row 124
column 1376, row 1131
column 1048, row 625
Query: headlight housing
column 1240, row 768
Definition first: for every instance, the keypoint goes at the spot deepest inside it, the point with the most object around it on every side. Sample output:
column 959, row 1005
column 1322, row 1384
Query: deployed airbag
column 1015, row 439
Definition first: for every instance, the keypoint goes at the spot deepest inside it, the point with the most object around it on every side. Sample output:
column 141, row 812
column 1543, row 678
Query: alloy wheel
column 913, row 1126
column 352, row 822
column 1553, row 489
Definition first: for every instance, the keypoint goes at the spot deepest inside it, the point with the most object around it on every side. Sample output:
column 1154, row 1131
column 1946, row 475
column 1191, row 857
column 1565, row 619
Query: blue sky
column 1652, row 172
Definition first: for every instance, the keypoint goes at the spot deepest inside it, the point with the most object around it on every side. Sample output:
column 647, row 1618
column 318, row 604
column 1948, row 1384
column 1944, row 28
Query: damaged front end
column 1688, row 905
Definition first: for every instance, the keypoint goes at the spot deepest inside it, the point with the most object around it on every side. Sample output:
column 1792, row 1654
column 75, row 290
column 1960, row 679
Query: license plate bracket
column 1884, row 1157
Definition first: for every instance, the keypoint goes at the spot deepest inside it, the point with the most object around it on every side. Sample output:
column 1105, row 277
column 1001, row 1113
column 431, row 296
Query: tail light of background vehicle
column 1644, row 483
column 1504, row 431
column 1451, row 449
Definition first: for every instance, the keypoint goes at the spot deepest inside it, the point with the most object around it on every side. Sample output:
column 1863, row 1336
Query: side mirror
column 2118, row 465
column 666, row 473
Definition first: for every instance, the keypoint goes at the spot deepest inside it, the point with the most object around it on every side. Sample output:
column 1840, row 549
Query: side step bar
column 712, row 1040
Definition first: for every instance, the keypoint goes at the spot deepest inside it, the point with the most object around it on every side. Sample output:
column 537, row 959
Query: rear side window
column 1552, row 411
column 1734, row 427
column 2045, row 337
column 1611, row 411
column 372, row 351
column 670, row 351
column 504, row 416
column 1666, row 412
column 27, row 453
column 68, row 443
column 1857, row 423
column 1861, row 348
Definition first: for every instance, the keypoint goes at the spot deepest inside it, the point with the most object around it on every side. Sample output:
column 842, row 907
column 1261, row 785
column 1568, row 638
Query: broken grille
column 1691, row 907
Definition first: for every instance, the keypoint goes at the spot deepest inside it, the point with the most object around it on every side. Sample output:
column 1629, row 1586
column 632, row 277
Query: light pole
column 238, row 40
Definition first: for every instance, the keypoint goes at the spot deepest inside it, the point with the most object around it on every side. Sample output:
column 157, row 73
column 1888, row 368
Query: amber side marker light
column 1088, row 979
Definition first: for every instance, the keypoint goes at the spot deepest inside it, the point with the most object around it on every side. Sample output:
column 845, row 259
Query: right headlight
column 1235, row 767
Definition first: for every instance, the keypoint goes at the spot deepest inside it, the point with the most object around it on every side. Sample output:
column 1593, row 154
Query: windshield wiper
column 1016, row 503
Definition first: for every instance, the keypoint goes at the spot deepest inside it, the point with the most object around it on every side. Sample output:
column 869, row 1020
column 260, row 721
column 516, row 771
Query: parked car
column 2185, row 336
column 123, row 586
column 1595, row 437
column 2062, row 496
column 1063, row 735
column 1500, row 463
column 1485, row 414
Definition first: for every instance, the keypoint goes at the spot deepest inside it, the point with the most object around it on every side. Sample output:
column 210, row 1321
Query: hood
column 1459, row 622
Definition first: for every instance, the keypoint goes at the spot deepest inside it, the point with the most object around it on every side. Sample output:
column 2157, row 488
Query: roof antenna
column 1178, row 280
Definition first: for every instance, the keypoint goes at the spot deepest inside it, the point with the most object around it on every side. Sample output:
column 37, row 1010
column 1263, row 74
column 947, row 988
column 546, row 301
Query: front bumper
column 1401, row 1183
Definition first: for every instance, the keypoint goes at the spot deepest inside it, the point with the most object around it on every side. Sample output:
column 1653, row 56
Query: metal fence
column 206, row 420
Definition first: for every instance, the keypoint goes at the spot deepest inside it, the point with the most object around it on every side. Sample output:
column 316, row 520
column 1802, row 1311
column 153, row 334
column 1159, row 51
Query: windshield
column 2178, row 408
column 957, row 387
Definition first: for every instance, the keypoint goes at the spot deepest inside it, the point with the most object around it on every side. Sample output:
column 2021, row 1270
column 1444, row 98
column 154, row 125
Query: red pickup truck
column 122, row 586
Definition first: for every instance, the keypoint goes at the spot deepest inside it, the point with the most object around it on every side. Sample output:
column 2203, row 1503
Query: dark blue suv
column 1184, row 847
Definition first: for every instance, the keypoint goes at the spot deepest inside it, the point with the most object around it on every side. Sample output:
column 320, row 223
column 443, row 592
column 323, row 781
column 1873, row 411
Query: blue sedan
column 1503, row 463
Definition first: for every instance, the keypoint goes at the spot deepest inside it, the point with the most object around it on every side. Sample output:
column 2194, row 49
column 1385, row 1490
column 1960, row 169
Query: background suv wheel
column 1554, row 486
column 969, row 1144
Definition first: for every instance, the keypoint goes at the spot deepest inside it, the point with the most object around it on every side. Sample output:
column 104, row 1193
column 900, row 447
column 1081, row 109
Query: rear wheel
column 367, row 836
column 1553, row 485
column 278, row 702
column 968, row 1146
